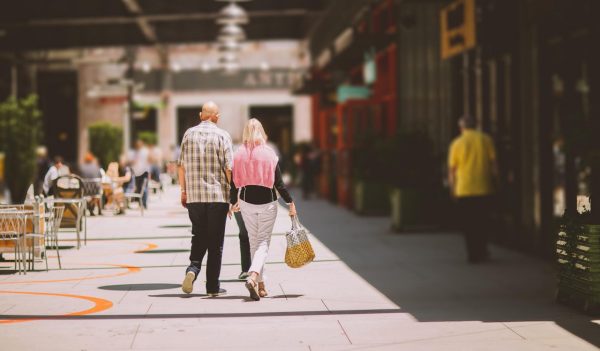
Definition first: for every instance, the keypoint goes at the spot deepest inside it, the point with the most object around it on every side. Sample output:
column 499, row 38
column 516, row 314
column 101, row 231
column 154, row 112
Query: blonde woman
column 256, row 181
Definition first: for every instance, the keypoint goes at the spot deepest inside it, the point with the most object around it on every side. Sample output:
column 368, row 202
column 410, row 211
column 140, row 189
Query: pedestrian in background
column 257, row 178
column 472, row 172
column 204, row 175
column 90, row 169
column 156, row 162
column 58, row 169
column 43, row 164
column 141, row 170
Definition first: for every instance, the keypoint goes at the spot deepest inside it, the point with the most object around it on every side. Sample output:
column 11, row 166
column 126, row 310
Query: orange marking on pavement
column 130, row 269
column 149, row 247
column 99, row 305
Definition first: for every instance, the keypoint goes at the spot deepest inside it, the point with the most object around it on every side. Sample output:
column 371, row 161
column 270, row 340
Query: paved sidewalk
column 369, row 289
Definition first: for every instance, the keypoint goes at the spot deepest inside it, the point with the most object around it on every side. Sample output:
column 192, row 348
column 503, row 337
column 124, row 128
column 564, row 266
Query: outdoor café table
column 80, row 214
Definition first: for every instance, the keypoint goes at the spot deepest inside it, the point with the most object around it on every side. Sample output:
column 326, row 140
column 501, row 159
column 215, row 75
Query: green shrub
column 20, row 135
column 148, row 137
column 106, row 142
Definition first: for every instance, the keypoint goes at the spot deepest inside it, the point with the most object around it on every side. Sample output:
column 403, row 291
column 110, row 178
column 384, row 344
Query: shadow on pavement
column 162, row 251
column 139, row 287
column 292, row 296
column 428, row 277
column 203, row 315
column 183, row 296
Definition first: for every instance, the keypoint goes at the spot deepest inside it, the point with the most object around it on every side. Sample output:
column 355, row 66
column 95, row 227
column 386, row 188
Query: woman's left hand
column 293, row 210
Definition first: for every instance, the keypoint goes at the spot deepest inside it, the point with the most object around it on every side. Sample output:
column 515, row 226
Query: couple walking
column 216, row 183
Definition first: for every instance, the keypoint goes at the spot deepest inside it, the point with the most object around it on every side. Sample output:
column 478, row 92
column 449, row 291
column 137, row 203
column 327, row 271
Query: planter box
column 406, row 208
column 371, row 198
column 579, row 268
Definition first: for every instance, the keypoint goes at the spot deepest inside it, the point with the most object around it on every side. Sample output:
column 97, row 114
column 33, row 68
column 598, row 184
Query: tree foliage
column 20, row 135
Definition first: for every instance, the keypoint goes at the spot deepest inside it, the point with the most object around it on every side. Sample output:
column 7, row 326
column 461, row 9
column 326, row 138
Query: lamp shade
column 232, row 14
column 232, row 31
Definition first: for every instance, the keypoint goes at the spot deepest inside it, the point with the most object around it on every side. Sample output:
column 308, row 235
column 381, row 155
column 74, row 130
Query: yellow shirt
column 472, row 156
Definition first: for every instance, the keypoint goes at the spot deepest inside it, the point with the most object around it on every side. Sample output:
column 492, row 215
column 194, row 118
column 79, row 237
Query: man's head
column 41, row 152
column 210, row 112
column 123, row 160
column 88, row 158
column 58, row 162
column 467, row 122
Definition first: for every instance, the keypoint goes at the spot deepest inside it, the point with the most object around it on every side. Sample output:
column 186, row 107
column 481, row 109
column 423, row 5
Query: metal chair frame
column 12, row 228
column 81, row 218
column 92, row 189
column 52, row 233
column 138, row 196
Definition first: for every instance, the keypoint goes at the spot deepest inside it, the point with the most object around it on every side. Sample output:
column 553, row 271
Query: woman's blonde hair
column 254, row 133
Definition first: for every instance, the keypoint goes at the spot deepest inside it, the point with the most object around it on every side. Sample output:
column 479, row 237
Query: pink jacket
column 254, row 166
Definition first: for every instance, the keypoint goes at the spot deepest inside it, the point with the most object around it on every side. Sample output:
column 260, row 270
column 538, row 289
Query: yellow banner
column 457, row 23
column 1, row 166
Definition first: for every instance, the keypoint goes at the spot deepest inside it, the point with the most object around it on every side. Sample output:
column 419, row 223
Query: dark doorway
column 144, row 120
column 58, row 102
column 187, row 117
column 277, row 121
column 5, row 80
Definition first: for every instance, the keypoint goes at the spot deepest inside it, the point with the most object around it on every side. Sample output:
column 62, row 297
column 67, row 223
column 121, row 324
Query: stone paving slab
column 369, row 289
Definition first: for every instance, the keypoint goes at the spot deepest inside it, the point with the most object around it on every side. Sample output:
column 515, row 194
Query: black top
column 260, row 195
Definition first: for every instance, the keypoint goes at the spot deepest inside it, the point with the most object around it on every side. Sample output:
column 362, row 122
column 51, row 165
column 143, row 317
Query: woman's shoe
column 262, row 292
column 252, row 287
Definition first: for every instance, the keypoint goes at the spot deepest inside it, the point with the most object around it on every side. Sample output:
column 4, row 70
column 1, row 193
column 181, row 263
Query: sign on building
column 457, row 23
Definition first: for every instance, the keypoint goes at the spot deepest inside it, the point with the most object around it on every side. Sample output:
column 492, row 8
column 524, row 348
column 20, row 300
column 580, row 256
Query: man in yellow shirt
column 472, row 172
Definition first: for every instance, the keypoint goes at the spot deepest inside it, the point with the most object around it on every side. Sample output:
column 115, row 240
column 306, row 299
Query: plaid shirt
column 206, row 153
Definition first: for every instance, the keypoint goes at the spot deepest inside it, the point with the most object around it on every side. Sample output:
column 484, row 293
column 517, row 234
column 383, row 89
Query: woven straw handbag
column 299, row 251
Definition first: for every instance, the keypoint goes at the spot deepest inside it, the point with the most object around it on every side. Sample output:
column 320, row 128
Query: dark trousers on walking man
column 208, row 230
column 474, row 214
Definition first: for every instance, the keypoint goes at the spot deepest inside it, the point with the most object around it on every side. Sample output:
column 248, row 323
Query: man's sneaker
column 188, row 282
column 243, row 276
column 220, row 293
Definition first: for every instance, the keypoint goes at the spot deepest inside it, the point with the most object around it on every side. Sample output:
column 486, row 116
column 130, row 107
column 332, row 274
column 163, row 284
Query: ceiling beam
column 83, row 21
column 143, row 23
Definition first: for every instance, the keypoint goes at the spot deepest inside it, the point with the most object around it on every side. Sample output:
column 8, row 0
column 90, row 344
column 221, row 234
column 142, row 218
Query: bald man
column 204, row 175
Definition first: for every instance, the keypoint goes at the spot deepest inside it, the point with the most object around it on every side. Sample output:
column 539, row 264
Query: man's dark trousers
column 244, row 243
column 475, row 221
column 208, row 230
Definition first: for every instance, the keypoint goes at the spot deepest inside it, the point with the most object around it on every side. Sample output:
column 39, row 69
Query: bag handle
column 296, row 223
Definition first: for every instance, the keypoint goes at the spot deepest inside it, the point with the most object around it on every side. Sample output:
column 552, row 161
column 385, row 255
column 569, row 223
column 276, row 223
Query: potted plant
column 370, row 190
column 578, row 257
column 410, row 174
column 578, row 239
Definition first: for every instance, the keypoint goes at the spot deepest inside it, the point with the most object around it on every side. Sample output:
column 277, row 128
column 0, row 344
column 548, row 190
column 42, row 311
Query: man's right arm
column 228, row 158
column 181, row 172
column 452, row 165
